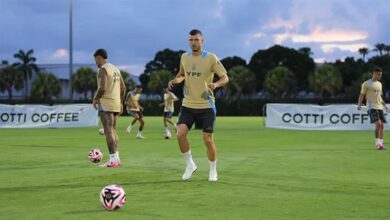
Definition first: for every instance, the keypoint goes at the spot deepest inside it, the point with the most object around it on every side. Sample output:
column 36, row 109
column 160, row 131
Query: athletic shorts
column 376, row 114
column 203, row 118
column 136, row 114
column 101, row 110
column 168, row 114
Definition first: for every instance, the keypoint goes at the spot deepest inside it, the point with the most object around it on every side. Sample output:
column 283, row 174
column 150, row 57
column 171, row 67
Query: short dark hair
column 101, row 52
column 138, row 87
column 195, row 32
column 377, row 69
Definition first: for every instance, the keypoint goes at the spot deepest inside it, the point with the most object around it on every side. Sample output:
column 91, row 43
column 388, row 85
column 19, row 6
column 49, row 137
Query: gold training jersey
column 133, row 99
column 169, row 99
column 199, row 72
column 373, row 92
column 111, row 99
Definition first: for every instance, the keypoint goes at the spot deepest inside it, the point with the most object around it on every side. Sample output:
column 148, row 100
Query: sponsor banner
column 41, row 116
column 315, row 117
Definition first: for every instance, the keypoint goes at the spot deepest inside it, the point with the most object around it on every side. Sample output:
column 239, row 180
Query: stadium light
column 70, row 51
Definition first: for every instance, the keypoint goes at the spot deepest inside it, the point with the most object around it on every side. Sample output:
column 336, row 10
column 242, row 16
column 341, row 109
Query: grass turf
column 263, row 174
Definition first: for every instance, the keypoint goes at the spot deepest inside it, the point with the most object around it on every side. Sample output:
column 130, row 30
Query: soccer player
column 108, row 101
column 197, row 68
column 372, row 91
column 135, row 109
column 169, row 108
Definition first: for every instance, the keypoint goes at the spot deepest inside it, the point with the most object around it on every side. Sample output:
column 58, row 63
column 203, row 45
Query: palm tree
column 45, row 86
column 280, row 81
column 387, row 49
column 380, row 48
column 326, row 79
column 84, row 81
column 363, row 51
column 27, row 66
column 11, row 78
column 242, row 81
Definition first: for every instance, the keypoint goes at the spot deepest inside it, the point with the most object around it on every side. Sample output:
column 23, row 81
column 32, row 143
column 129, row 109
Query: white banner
column 315, row 117
column 41, row 116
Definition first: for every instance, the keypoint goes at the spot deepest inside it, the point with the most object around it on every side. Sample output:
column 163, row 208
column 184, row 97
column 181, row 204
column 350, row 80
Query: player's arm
column 179, row 77
column 129, row 100
column 101, row 87
column 361, row 96
column 218, row 68
column 174, row 97
column 123, row 92
column 360, row 101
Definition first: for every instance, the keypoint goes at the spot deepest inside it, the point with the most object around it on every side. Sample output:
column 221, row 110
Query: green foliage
column 11, row 78
column 84, row 80
column 241, row 82
column 230, row 62
column 300, row 63
column 280, row 82
column 326, row 79
column 45, row 86
column 27, row 65
column 159, row 80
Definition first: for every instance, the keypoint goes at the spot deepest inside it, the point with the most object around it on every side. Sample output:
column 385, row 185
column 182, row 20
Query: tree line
column 275, row 72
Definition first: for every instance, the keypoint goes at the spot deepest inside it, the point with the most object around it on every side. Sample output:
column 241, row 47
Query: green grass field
column 263, row 174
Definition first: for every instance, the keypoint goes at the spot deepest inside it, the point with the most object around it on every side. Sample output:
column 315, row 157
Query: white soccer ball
column 112, row 197
column 95, row 155
column 101, row 131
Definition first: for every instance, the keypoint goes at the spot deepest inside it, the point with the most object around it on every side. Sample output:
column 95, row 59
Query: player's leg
column 185, row 122
column 108, row 123
column 141, row 126
column 116, row 138
column 208, row 122
column 381, row 120
column 135, row 118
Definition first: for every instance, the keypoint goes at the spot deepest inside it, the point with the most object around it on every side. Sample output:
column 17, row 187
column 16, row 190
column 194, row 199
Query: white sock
column 376, row 141
column 380, row 141
column 139, row 132
column 117, row 156
column 188, row 157
column 166, row 129
column 213, row 165
column 113, row 158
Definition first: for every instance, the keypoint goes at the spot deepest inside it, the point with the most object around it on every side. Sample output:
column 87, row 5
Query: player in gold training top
column 372, row 90
column 108, row 101
column 169, row 108
column 135, row 109
column 197, row 68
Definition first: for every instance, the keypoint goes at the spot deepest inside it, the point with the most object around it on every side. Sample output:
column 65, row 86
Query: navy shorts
column 135, row 114
column 101, row 110
column 168, row 114
column 203, row 118
column 376, row 114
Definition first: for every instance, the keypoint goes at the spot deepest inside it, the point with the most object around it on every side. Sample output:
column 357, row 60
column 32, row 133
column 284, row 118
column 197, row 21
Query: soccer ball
column 101, row 131
column 112, row 197
column 167, row 135
column 95, row 155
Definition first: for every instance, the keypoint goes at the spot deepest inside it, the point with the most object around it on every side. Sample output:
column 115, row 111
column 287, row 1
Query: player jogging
column 169, row 108
column 372, row 91
column 135, row 109
column 197, row 68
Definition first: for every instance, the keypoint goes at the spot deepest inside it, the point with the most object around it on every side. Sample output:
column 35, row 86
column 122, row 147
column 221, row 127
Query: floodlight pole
column 70, row 51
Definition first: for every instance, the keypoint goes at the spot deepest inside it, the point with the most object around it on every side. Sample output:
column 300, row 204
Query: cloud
column 329, row 48
column 60, row 53
column 319, row 35
column 280, row 23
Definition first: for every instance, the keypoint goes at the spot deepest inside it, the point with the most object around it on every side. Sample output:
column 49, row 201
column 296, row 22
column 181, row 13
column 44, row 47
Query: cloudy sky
column 134, row 30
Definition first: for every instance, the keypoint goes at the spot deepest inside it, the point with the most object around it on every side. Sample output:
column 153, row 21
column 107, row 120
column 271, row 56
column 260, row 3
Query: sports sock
column 117, row 156
column 113, row 158
column 188, row 158
column 213, row 165
column 380, row 141
column 376, row 141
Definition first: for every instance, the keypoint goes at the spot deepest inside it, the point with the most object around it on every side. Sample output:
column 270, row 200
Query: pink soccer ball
column 95, row 155
column 112, row 197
